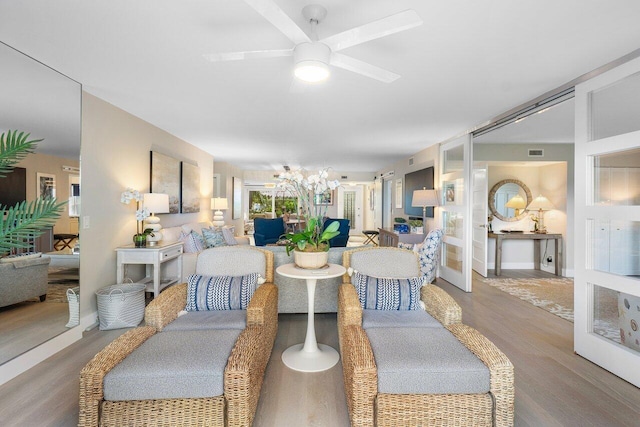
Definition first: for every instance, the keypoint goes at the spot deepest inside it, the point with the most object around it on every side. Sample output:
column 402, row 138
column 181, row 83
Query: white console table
column 153, row 257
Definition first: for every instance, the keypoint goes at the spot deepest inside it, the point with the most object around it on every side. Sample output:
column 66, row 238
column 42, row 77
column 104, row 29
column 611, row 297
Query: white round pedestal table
column 310, row 356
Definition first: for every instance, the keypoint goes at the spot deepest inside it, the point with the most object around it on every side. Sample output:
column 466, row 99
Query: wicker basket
column 73, row 296
column 120, row 306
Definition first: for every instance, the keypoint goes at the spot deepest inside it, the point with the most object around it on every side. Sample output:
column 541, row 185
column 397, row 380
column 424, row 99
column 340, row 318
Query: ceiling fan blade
column 272, row 13
column 364, row 68
column 382, row 27
column 251, row 54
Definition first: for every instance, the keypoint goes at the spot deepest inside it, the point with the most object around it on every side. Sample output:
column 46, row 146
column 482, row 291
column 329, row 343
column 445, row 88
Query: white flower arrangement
column 143, row 213
column 309, row 189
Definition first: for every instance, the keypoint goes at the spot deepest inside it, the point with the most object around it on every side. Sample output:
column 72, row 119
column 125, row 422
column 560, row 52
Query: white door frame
column 462, row 207
column 356, row 227
column 614, row 357
column 480, row 214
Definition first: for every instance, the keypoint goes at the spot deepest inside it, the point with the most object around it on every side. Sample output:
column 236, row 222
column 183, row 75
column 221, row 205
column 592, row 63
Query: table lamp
column 517, row 203
column 541, row 204
column 219, row 204
column 423, row 199
column 156, row 203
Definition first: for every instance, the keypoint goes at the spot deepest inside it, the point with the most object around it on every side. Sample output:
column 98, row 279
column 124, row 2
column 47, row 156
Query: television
column 13, row 187
column 417, row 181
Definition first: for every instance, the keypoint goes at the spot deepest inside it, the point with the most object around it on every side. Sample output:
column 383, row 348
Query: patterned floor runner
column 555, row 295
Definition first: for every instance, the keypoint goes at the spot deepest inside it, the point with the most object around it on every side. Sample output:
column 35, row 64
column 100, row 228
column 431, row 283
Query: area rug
column 555, row 295
column 59, row 280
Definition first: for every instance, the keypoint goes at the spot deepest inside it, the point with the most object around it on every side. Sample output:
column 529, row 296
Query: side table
column 153, row 257
column 310, row 356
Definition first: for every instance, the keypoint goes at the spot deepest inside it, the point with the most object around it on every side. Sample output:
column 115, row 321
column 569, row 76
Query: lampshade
column 219, row 203
column 156, row 202
column 541, row 203
column 424, row 197
column 516, row 202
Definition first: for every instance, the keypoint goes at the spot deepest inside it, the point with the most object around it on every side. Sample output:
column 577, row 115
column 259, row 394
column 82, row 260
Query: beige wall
column 45, row 163
column 115, row 155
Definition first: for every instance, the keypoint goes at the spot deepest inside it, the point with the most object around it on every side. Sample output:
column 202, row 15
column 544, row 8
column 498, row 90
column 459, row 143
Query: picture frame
column 165, row 178
column 190, row 188
column 399, row 194
column 45, row 185
column 236, row 200
column 325, row 198
column 449, row 192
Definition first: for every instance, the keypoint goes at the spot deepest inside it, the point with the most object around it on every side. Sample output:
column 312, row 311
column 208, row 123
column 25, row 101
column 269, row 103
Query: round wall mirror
column 508, row 200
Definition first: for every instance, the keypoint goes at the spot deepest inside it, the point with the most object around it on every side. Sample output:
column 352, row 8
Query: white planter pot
column 417, row 230
column 310, row 260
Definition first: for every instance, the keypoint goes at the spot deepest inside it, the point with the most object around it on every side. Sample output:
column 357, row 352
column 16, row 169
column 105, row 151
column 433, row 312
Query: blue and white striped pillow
column 386, row 293
column 205, row 293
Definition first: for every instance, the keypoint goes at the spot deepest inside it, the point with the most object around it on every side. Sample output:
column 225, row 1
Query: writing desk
column 536, row 237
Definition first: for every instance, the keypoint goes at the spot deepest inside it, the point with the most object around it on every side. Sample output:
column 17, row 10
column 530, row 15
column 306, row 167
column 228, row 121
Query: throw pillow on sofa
column 213, row 238
column 193, row 242
column 387, row 293
column 228, row 236
column 221, row 292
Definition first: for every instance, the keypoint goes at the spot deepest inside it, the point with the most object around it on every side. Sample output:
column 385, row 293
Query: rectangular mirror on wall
column 34, row 302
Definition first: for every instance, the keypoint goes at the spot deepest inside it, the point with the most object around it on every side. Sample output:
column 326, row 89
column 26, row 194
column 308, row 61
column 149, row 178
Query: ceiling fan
column 311, row 56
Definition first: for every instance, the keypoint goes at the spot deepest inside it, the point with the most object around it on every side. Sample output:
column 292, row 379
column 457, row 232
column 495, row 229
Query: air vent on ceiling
column 275, row 175
column 286, row 168
column 410, row 161
column 536, row 152
column 344, row 177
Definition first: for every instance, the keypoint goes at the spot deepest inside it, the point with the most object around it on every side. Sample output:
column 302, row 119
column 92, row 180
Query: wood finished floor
column 554, row 387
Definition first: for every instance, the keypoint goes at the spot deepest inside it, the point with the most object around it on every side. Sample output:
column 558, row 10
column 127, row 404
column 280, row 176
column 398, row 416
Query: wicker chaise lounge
column 182, row 355
column 414, row 368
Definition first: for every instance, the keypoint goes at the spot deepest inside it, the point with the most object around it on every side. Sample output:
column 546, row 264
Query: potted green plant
column 25, row 220
column 416, row 226
column 310, row 246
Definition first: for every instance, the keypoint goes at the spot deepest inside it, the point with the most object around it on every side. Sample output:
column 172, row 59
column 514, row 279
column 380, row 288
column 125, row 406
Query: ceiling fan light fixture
column 312, row 62
column 312, row 71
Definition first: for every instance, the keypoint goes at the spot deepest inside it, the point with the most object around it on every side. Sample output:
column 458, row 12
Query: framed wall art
column 237, row 198
column 417, row 180
column 190, row 194
column 46, row 183
column 325, row 198
column 165, row 178
column 399, row 194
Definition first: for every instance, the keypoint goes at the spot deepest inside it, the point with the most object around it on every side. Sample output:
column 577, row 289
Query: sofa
column 267, row 231
column 23, row 279
column 172, row 234
column 340, row 241
column 202, row 367
column 292, row 293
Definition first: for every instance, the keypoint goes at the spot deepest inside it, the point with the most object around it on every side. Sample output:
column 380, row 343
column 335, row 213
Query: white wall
column 548, row 180
column 115, row 155
column 551, row 184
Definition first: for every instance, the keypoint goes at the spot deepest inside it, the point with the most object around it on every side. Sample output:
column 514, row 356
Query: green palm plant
column 25, row 220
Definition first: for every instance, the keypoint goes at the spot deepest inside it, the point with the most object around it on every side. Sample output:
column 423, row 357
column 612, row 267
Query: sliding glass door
column 607, row 221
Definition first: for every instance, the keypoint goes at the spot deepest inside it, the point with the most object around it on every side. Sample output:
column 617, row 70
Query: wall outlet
column 549, row 258
column 85, row 222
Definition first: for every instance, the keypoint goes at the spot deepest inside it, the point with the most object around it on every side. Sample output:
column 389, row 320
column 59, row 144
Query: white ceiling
column 468, row 62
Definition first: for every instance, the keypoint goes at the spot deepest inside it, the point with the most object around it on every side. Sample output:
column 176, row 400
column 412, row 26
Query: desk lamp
column 541, row 204
column 422, row 199
column 219, row 204
column 517, row 203
column 156, row 203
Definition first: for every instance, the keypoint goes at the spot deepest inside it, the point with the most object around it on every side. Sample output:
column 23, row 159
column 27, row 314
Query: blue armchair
column 267, row 231
column 340, row 241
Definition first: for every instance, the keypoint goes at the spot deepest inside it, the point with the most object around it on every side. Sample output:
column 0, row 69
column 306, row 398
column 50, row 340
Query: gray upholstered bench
column 425, row 361
column 173, row 365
